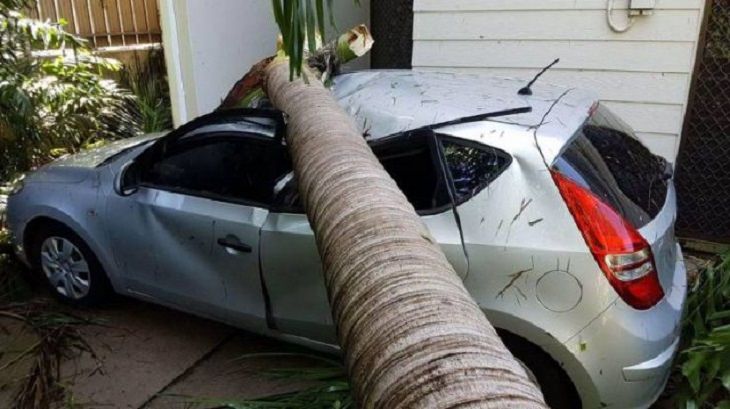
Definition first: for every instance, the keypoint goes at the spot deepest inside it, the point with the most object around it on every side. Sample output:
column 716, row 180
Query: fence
column 703, row 165
column 105, row 23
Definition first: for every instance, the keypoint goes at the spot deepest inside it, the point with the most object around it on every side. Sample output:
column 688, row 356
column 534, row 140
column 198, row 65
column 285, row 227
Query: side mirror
column 125, row 183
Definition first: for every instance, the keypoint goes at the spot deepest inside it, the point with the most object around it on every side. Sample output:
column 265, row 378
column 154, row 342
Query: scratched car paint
column 252, row 261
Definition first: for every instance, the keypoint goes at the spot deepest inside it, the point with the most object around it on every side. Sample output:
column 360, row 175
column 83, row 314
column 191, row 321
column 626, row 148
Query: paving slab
column 234, row 372
column 14, row 340
column 141, row 348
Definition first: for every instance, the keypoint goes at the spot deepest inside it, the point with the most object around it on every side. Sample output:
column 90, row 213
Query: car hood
column 94, row 157
column 76, row 168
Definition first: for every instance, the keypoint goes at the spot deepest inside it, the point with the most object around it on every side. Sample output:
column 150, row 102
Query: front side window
column 472, row 167
column 226, row 168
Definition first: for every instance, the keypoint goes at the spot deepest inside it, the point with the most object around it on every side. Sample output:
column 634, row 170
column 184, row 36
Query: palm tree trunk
column 411, row 334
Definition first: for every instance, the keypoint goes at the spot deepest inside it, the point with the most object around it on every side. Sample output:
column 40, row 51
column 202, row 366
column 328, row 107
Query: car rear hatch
column 622, row 199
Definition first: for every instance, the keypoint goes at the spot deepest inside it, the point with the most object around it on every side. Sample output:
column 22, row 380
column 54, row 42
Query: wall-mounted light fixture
column 635, row 8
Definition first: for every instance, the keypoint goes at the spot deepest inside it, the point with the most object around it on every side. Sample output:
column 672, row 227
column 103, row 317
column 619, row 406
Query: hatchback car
column 558, row 219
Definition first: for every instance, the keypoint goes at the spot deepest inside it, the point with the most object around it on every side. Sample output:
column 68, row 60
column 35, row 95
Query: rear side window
column 409, row 161
column 606, row 158
column 472, row 167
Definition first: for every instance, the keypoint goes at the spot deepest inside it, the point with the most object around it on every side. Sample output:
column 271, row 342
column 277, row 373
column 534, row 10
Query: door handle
column 234, row 243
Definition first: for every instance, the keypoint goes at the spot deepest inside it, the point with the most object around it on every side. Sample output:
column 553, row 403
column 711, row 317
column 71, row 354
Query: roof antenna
column 527, row 89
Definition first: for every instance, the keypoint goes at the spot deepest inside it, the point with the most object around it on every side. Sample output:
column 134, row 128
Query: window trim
column 435, row 161
column 161, row 145
column 245, row 114
column 470, row 144
column 199, row 140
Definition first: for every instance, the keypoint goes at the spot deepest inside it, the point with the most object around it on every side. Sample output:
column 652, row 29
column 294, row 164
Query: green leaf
column 311, row 26
column 331, row 9
column 279, row 17
column 320, row 20
column 725, row 404
column 725, row 378
column 692, row 369
column 720, row 315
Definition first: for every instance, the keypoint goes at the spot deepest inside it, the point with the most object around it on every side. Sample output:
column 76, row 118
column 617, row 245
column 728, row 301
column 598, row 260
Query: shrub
column 54, row 98
column 147, row 79
column 704, row 362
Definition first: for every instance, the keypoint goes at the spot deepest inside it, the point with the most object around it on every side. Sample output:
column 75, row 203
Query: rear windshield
column 606, row 157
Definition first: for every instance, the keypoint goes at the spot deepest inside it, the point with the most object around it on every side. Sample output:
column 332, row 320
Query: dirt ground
column 154, row 357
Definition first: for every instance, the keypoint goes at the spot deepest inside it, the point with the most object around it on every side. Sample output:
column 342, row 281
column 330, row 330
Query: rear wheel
column 556, row 386
column 70, row 268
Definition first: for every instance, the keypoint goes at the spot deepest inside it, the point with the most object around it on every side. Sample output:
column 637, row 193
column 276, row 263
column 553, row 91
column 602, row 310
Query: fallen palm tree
column 410, row 332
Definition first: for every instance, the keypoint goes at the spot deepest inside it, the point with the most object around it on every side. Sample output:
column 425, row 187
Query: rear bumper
column 627, row 353
column 654, row 368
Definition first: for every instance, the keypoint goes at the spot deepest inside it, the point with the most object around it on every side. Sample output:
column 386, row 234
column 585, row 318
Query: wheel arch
column 51, row 217
column 557, row 351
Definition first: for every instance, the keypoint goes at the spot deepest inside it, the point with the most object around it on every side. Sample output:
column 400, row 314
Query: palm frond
column 302, row 22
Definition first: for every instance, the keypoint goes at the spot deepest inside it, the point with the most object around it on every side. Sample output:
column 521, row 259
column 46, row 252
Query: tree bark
column 411, row 334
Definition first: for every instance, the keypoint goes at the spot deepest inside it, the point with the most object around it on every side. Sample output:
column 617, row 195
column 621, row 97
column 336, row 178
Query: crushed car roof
column 386, row 102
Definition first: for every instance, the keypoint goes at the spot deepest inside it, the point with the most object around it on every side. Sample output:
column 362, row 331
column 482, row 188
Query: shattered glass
column 472, row 167
column 606, row 158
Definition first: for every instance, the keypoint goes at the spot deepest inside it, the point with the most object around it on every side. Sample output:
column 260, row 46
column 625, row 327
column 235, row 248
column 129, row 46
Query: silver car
column 558, row 219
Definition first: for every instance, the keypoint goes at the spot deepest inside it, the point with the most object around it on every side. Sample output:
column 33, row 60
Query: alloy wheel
column 65, row 267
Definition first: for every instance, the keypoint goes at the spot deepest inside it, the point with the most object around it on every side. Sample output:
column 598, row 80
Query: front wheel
column 70, row 268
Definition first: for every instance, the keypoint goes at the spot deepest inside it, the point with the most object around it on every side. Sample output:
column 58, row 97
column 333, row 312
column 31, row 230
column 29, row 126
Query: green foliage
column 300, row 22
column 58, row 337
column 327, row 388
column 148, row 82
column 705, row 359
column 54, row 98
column 13, row 286
column 55, row 334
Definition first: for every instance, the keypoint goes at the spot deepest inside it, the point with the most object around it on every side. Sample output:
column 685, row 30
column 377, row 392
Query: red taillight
column 623, row 255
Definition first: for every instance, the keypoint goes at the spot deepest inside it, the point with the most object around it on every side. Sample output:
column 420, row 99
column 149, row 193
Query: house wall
column 643, row 74
column 209, row 45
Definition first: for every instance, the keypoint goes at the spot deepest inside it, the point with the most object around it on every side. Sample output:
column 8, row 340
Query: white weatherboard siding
column 643, row 74
column 210, row 44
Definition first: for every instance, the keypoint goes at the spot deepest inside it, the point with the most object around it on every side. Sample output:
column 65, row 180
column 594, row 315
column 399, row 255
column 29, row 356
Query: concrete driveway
column 154, row 357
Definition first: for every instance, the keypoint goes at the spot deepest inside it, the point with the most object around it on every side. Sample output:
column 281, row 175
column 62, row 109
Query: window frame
column 197, row 141
column 400, row 138
column 435, row 151
column 469, row 144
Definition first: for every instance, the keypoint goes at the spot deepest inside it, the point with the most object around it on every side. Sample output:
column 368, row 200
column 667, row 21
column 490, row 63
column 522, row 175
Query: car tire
column 69, row 267
column 556, row 386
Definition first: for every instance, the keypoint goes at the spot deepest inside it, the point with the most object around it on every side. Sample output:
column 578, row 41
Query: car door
column 290, row 262
column 203, row 201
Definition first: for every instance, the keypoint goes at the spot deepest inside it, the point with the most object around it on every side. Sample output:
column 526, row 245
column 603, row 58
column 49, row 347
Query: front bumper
column 15, row 226
column 627, row 353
